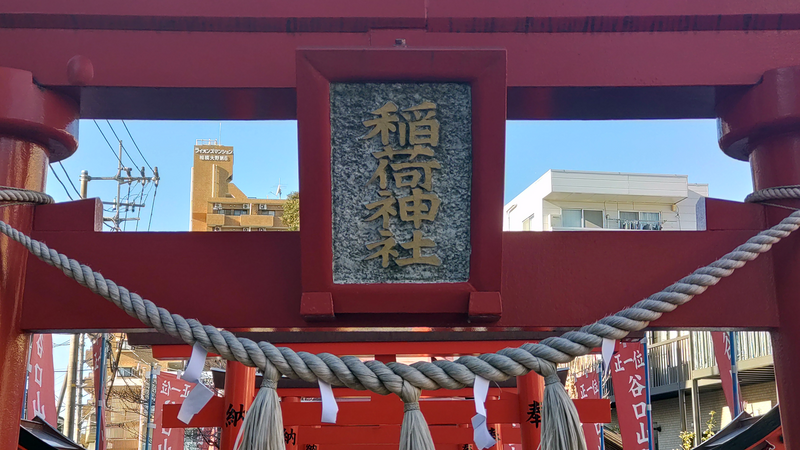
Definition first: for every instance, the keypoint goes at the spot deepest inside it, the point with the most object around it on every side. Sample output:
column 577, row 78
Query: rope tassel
column 414, row 433
column 263, row 425
column 561, row 426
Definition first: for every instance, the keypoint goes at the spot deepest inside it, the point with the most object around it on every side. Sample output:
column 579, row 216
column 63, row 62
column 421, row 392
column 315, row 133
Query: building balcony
column 675, row 363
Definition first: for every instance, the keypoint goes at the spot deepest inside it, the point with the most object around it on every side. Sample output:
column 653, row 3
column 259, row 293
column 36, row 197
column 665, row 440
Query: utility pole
column 122, row 177
column 79, row 390
column 69, row 410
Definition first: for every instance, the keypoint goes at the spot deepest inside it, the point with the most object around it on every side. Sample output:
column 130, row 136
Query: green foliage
column 291, row 211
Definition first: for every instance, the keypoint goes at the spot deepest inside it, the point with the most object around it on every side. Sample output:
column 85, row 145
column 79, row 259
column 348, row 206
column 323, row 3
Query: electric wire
column 152, row 208
column 109, row 143
column 137, row 147
column 69, row 179
column 60, row 182
column 135, row 164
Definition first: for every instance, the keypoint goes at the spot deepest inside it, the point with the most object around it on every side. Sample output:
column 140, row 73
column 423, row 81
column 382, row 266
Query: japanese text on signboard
column 410, row 165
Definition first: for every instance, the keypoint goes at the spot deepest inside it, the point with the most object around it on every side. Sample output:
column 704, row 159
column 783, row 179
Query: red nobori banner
column 41, row 380
column 99, row 389
column 588, row 386
column 169, row 389
column 722, row 352
column 630, row 393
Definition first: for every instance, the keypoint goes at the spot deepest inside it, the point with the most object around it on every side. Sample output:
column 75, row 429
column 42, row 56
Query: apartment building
column 217, row 204
column 684, row 378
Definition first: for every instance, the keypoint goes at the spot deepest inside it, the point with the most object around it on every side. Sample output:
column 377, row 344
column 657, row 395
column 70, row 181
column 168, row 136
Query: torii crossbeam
column 582, row 60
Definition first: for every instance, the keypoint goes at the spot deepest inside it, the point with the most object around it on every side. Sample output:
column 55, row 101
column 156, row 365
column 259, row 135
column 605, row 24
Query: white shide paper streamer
column 199, row 395
column 608, row 352
column 480, row 434
column 329, row 406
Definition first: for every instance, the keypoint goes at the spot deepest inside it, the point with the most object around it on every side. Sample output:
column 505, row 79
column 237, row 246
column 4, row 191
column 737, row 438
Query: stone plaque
column 401, row 170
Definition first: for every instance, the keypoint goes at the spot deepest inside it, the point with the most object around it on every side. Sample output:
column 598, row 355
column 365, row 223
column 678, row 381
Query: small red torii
column 659, row 51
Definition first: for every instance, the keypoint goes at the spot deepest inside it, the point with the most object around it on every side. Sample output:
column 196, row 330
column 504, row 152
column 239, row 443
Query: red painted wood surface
column 485, row 71
column 531, row 393
column 35, row 129
column 533, row 295
column 389, row 411
column 762, row 124
column 247, row 85
column 239, row 396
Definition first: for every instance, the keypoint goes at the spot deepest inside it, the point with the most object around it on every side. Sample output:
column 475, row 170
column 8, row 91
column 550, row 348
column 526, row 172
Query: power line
column 69, row 179
column 109, row 143
column 60, row 182
column 137, row 147
column 152, row 208
column 120, row 143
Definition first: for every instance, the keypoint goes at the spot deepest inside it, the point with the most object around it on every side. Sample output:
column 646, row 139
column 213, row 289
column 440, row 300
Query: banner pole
column 99, row 426
column 647, row 392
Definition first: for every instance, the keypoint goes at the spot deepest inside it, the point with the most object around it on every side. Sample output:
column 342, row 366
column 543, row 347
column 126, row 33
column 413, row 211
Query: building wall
column 543, row 201
column 527, row 204
column 218, row 205
column 666, row 413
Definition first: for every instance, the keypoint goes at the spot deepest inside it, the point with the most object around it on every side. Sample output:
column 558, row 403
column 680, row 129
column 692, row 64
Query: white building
column 680, row 362
column 577, row 200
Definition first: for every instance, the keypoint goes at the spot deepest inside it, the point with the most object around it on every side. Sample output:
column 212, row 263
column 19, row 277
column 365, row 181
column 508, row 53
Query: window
column 526, row 224
column 127, row 372
column 571, row 218
column 582, row 218
column 592, row 219
column 266, row 213
column 235, row 212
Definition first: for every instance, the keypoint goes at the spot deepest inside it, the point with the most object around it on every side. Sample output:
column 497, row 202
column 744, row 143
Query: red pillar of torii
column 583, row 60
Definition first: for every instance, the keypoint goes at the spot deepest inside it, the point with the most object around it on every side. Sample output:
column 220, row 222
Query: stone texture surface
column 352, row 166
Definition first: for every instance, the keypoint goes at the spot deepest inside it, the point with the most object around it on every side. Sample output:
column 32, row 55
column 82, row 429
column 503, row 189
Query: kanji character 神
column 386, row 208
column 415, row 208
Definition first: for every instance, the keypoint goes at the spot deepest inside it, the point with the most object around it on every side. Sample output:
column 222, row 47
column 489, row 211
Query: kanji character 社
column 386, row 248
column 416, row 245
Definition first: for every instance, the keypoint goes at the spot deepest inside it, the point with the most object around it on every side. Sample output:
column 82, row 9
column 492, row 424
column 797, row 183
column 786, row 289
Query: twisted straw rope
column 404, row 380
column 774, row 193
column 20, row 196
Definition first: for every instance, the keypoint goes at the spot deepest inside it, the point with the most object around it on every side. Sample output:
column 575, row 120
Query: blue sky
column 266, row 152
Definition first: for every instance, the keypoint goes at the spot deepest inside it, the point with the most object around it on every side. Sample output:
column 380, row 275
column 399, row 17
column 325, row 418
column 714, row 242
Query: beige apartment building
column 217, row 204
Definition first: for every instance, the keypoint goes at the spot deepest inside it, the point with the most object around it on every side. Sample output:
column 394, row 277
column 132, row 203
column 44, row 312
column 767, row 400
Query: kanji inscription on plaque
column 401, row 165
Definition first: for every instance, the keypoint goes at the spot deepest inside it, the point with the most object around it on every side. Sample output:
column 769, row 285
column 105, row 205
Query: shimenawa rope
column 561, row 429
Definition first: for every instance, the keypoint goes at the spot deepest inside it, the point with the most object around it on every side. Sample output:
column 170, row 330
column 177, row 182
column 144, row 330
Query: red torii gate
column 731, row 60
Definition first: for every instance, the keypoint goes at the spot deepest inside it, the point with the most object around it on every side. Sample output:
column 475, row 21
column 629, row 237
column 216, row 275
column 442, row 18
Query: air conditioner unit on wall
column 262, row 207
column 246, row 206
column 217, row 206
column 246, row 229
column 217, row 228
column 262, row 229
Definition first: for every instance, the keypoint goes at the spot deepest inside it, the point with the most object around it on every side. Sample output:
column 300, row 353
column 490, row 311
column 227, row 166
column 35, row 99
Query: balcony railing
column 639, row 225
column 672, row 361
column 669, row 361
